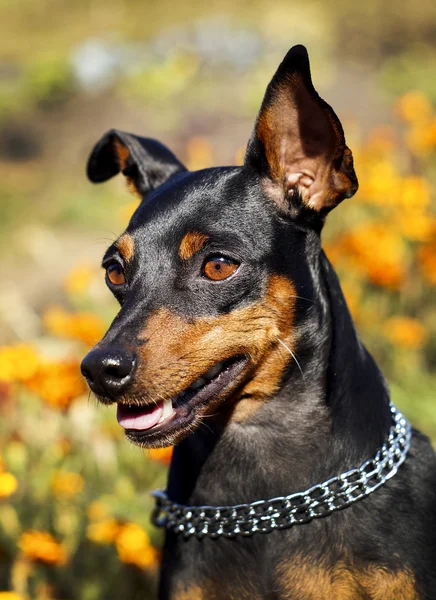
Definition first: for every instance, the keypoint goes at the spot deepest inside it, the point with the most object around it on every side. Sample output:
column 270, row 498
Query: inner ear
column 298, row 143
column 146, row 163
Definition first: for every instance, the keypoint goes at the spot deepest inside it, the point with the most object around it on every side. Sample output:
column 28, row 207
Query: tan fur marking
column 122, row 154
column 126, row 246
column 210, row 590
column 306, row 580
column 179, row 351
column 191, row 243
column 188, row 593
column 381, row 584
column 265, row 382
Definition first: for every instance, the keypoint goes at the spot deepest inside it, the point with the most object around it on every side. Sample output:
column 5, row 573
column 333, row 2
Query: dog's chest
column 236, row 575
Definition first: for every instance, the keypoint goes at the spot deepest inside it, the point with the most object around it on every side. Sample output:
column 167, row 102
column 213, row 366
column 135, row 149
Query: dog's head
column 211, row 267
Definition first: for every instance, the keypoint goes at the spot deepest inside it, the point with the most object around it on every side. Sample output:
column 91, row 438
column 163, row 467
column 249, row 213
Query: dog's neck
column 330, row 415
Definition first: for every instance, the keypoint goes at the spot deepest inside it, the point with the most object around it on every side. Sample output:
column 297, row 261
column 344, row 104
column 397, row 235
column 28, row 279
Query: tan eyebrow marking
column 126, row 246
column 192, row 243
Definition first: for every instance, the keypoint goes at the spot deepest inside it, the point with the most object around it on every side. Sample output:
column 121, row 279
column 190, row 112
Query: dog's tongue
column 139, row 417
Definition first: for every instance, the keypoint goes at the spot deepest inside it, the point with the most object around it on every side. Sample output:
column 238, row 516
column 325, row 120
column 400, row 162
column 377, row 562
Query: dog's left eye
column 218, row 268
column 115, row 274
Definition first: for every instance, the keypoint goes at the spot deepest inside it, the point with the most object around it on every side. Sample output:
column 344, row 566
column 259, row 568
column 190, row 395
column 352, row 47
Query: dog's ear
column 298, row 144
column 146, row 163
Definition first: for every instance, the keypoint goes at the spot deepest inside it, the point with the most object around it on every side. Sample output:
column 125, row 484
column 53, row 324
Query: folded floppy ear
column 298, row 143
column 145, row 162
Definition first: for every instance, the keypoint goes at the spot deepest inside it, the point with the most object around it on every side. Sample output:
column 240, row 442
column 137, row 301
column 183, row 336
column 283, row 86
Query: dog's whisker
column 294, row 357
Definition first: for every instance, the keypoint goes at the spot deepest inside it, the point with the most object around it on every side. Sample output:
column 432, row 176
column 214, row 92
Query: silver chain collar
column 318, row 501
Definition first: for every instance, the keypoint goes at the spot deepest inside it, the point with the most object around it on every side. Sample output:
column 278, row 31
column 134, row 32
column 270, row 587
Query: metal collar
column 318, row 501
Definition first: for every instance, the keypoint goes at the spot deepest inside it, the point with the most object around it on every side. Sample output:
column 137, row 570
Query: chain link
column 318, row 501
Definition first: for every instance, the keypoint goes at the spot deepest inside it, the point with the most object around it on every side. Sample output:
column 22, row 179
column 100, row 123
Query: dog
column 234, row 344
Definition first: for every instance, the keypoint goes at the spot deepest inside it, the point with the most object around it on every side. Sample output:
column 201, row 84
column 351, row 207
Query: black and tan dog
column 234, row 343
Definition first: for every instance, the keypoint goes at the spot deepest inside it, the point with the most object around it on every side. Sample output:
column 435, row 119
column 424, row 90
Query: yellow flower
column 381, row 182
column 97, row 510
column 406, row 332
column 413, row 106
column 103, row 532
column 18, row 362
column 41, row 546
column 161, row 454
column 134, row 547
column 67, row 484
column 58, row 383
column 415, row 193
column 79, row 279
column 10, row 596
column 421, row 138
column 85, row 327
column 8, row 484
column 414, row 225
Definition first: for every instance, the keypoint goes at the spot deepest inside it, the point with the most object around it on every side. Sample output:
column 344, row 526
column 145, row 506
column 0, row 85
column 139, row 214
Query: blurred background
column 74, row 495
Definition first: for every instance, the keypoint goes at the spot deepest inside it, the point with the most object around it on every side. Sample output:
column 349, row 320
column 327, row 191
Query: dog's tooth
column 167, row 409
column 198, row 383
column 213, row 372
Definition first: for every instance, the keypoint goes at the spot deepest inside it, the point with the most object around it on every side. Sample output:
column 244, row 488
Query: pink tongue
column 137, row 417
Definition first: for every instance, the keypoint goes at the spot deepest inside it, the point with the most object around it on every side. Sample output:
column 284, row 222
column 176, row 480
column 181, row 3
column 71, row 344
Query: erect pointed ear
column 298, row 144
column 145, row 162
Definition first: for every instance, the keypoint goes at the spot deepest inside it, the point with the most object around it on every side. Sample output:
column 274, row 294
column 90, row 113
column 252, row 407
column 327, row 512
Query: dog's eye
column 115, row 274
column 219, row 267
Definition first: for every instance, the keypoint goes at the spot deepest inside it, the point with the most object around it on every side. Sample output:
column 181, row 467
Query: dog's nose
column 108, row 372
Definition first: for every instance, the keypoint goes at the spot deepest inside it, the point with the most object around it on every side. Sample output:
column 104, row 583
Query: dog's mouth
column 151, row 424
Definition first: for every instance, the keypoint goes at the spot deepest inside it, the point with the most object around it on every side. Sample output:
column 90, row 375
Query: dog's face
column 211, row 267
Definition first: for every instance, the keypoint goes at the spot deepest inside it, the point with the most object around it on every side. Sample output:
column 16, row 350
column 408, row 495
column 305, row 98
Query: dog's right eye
column 115, row 274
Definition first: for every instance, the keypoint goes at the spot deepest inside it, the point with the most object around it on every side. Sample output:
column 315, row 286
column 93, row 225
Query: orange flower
column 134, row 547
column 41, row 546
column 8, row 485
column 414, row 225
column 103, row 532
column 161, row 454
column 79, row 279
column 18, row 362
column 376, row 251
column 67, row 484
column 85, row 327
column 58, row 383
column 413, row 106
column 381, row 141
column 406, row 332
column 427, row 261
